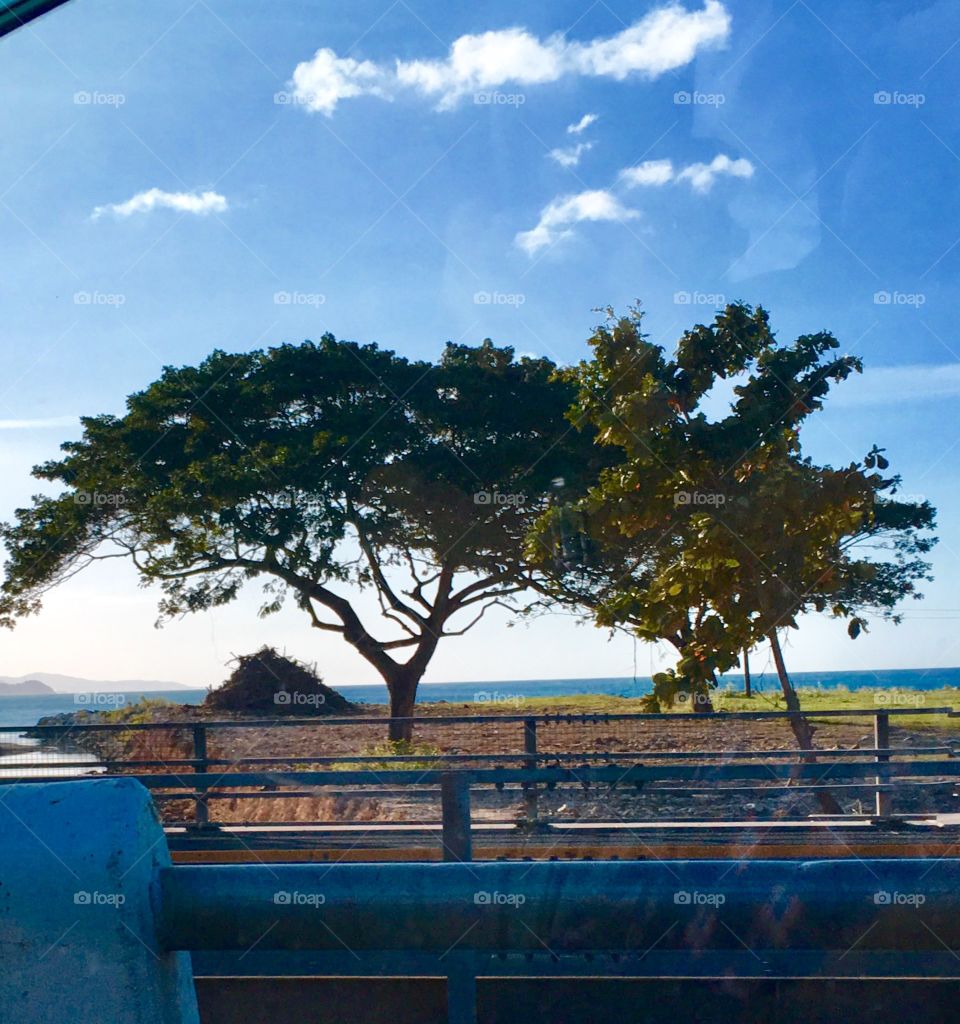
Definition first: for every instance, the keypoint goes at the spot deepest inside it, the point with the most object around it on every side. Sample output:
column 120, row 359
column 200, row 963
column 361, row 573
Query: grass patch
column 812, row 699
column 424, row 752
column 141, row 712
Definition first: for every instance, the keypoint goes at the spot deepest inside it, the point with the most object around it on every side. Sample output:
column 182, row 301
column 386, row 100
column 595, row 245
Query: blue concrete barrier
column 96, row 926
column 79, row 864
column 694, row 907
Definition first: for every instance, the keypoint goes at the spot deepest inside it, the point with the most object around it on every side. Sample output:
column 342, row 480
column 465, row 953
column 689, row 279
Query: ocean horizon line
column 107, row 685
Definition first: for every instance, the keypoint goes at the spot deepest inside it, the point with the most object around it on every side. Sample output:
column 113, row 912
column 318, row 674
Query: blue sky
column 190, row 175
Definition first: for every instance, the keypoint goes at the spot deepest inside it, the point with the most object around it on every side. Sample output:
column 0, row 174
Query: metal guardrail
column 518, row 766
column 549, row 919
column 121, row 904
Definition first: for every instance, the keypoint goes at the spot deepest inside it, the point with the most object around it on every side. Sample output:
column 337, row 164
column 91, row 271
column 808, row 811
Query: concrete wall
column 78, row 869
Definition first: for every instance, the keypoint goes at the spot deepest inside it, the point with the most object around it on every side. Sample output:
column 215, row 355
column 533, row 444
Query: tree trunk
column 403, row 700
column 747, row 689
column 702, row 704
column 802, row 729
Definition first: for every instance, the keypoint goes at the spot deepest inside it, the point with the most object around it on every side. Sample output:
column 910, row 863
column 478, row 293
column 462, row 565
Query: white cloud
column 582, row 124
column 151, row 199
column 702, row 176
column 39, row 424
column 661, row 41
column 879, row 385
column 665, row 39
column 486, row 61
column 557, row 217
column 322, row 82
column 650, row 172
column 569, row 156
column 896, row 385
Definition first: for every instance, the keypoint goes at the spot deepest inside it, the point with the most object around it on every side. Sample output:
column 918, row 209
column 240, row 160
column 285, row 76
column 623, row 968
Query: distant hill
column 55, row 683
column 28, row 688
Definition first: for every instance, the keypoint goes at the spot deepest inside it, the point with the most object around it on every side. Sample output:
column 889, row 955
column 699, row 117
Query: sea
column 27, row 711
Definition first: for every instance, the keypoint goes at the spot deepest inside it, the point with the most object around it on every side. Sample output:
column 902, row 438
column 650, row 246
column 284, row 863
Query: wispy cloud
column 183, row 202
column 650, row 172
column 667, row 38
column 897, row 385
column 582, row 124
column 569, row 156
column 888, row 386
column 40, row 424
column 557, row 218
column 701, row 176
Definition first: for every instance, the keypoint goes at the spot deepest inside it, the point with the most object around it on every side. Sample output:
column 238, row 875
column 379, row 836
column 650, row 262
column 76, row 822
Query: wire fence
column 246, row 771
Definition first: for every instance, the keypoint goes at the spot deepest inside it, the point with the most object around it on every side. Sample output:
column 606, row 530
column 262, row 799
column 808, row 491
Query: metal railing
column 828, row 919
column 207, row 773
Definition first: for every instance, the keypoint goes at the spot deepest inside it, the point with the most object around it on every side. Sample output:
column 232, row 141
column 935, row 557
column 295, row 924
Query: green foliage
column 427, row 752
column 309, row 467
column 712, row 532
column 140, row 712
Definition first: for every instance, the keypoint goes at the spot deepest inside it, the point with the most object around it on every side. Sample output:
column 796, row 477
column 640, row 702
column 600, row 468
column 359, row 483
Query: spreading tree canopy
column 314, row 469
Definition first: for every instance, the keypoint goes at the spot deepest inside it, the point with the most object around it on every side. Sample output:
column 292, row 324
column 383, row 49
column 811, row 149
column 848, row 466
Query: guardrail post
column 881, row 740
column 201, row 814
column 530, row 794
column 461, row 990
column 455, row 802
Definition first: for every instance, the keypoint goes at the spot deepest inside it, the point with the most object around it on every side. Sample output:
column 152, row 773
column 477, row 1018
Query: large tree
column 317, row 469
column 712, row 530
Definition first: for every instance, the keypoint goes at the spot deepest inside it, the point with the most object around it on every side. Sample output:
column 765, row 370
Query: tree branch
column 383, row 587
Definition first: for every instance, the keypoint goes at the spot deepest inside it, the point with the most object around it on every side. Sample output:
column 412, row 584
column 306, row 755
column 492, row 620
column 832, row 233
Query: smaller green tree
column 715, row 532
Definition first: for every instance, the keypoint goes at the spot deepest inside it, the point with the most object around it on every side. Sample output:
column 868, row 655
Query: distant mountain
column 51, row 682
column 28, row 688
